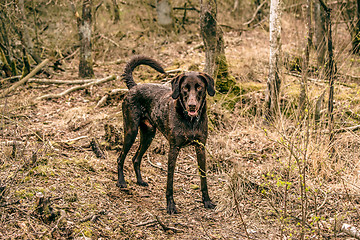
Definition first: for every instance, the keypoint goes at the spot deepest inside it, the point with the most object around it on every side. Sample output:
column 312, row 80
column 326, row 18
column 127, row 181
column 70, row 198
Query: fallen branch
column 111, row 93
column 12, row 142
column 167, row 228
column 55, row 81
column 11, row 203
column 25, row 79
column 146, row 223
column 93, row 217
column 50, row 96
column 350, row 230
column 9, row 78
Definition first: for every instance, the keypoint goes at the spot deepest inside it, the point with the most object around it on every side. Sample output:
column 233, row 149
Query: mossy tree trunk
column 356, row 32
column 274, row 82
column 84, row 25
column 215, row 58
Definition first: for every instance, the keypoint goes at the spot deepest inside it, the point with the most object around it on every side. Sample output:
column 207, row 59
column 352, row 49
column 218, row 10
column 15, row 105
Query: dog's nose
column 192, row 107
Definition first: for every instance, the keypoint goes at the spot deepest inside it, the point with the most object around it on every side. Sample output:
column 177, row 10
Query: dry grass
column 253, row 166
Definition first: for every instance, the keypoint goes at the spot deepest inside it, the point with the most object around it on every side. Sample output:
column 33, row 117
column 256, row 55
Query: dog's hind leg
column 131, row 125
column 147, row 133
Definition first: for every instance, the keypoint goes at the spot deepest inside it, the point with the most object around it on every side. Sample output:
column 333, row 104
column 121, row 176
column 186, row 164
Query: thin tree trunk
column 303, row 83
column 116, row 11
column 331, row 74
column 320, row 40
column 274, row 82
column 84, row 24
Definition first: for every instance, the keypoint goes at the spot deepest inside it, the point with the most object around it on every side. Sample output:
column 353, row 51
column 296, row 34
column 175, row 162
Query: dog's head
column 191, row 88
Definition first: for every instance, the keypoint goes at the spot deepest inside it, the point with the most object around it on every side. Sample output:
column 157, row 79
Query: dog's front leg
column 200, row 155
column 173, row 153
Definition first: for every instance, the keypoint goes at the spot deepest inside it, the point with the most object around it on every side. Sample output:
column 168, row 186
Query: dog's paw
column 209, row 204
column 121, row 185
column 171, row 209
column 142, row 183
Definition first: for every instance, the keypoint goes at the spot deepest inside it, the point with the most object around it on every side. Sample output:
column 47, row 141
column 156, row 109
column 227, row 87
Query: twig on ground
column 146, row 223
column 111, row 93
column 25, row 79
column 166, row 228
column 11, row 203
column 93, row 217
column 50, row 96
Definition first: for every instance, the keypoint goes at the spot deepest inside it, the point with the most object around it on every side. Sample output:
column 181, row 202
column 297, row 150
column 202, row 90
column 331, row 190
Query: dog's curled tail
column 133, row 63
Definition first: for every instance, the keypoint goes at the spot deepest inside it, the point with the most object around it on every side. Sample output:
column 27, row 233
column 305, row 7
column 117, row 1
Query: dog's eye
column 199, row 88
column 185, row 88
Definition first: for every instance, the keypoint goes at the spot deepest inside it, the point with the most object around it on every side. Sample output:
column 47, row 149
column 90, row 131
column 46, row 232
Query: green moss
column 224, row 81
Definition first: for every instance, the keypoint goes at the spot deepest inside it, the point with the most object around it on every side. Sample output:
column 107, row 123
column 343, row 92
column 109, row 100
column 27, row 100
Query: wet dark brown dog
column 178, row 113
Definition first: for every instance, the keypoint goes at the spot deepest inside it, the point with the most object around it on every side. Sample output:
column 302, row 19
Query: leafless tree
column 320, row 40
column 274, row 81
column 84, row 26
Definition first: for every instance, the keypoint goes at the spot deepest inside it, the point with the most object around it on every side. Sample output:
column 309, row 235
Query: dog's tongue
column 192, row 113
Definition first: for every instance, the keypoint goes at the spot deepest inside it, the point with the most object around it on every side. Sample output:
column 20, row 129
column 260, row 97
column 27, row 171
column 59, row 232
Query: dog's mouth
column 192, row 111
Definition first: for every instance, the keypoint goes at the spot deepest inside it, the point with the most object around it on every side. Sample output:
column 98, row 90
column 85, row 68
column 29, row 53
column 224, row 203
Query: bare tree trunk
column 274, row 82
column 209, row 33
column 164, row 16
column 116, row 11
column 320, row 40
column 331, row 73
column 305, row 67
column 25, row 38
column 215, row 58
column 84, row 24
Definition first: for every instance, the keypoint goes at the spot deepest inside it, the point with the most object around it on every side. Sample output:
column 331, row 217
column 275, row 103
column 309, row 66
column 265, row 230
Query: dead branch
column 25, row 79
column 111, row 93
column 353, row 128
column 11, row 203
column 255, row 13
column 12, row 143
column 350, row 230
column 109, row 39
column 74, row 139
column 55, row 81
column 167, row 228
column 93, row 217
column 146, row 223
column 50, row 96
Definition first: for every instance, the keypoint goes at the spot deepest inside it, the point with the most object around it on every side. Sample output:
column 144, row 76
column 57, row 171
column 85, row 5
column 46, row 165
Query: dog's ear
column 175, row 85
column 209, row 83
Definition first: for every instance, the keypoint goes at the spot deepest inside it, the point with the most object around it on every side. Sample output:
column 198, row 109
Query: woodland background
column 289, row 173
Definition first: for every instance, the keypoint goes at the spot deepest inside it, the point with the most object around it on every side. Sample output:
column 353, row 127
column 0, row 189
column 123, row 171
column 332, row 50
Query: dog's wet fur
column 179, row 113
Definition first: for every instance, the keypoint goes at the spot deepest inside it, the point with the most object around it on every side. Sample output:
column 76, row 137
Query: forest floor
column 54, row 186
